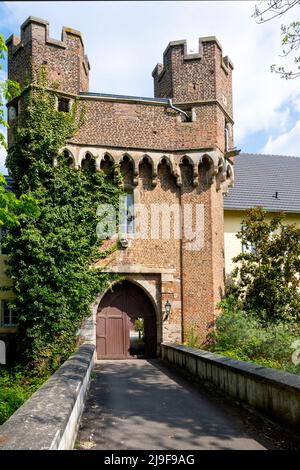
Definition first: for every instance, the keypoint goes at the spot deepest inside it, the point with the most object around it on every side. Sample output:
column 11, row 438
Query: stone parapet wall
column 274, row 393
column 49, row 419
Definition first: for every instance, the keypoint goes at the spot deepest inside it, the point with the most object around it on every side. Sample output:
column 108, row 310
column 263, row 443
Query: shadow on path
column 140, row 404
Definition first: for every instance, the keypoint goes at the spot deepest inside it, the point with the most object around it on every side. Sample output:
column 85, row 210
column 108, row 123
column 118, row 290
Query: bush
column 267, row 276
column 16, row 386
column 243, row 336
column 192, row 338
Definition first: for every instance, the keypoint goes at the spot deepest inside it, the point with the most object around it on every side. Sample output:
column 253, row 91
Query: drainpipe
column 177, row 109
column 181, row 265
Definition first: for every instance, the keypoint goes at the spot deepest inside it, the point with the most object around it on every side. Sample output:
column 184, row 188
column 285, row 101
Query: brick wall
column 143, row 126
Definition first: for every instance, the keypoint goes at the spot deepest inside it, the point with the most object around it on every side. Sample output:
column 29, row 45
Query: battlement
column 191, row 77
column 202, row 51
column 63, row 58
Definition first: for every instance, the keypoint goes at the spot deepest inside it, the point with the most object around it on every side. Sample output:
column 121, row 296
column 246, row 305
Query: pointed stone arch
column 88, row 161
column 82, row 154
column 106, row 162
column 170, row 162
column 132, row 161
column 68, row 154
column 187, row 172
column 146, row 172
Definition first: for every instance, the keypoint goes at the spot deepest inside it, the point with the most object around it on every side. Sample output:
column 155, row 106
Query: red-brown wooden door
column 117, row 312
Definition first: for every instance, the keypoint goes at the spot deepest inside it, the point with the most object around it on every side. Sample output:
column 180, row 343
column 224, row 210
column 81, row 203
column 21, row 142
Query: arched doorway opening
column 126, row 323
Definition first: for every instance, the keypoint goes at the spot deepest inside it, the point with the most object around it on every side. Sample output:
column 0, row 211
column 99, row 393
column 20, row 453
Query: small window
column 63, row 105
column 3, row 233
column 190, row 116
column 227, row 133
column 127, row 217
column 8, row 317
column 13, row 112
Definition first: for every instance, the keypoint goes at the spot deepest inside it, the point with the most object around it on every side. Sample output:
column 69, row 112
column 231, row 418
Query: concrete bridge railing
column 276, row 394
column 49, row 419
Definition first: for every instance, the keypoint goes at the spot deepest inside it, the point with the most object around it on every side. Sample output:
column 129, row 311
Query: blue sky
column 125, row 40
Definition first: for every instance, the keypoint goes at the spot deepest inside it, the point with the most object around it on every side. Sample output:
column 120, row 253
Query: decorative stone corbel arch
column 151, row 162
column 104, row 156
column 210, row 171
column 70, row 155
column 229, row 183
column 83, row 152
column 134, row 166
column 194, row 162
column 213, row 157
column 174, row 169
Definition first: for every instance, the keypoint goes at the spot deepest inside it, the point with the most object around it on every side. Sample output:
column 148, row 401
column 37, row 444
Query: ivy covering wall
column 52, row 256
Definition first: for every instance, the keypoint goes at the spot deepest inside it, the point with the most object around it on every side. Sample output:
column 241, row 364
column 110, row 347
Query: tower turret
column 205, row 75
column 65, row 61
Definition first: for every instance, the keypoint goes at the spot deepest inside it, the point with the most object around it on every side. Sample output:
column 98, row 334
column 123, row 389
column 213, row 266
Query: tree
column 267, row 278
column 290, row 33
column 139, row 326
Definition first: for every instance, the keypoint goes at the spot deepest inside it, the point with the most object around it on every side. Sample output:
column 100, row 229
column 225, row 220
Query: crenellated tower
column 197, row 80
column 65, row 60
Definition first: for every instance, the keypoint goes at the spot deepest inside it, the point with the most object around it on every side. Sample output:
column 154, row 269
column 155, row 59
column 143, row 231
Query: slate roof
column 122, row 97
column 257, row 179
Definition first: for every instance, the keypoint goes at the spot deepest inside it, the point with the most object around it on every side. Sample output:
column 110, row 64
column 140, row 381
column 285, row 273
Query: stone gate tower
column 175, row 151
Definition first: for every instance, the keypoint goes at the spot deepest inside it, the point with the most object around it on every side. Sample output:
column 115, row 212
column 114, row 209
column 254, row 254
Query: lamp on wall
column 167, row 310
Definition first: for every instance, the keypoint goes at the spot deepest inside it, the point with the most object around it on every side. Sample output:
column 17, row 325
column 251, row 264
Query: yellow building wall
column 232, row 225
column 5, row 294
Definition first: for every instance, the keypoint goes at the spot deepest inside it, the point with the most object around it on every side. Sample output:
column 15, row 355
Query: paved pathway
column 140, row 404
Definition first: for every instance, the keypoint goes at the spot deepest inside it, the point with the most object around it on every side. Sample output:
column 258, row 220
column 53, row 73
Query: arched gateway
column 117, row 316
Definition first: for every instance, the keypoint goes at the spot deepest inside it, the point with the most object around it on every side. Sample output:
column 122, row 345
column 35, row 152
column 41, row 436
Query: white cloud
column 285, row 144
column 125, row 40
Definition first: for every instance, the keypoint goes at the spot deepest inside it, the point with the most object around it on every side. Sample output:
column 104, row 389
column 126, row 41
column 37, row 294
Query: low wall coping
column 41, row 421
column 261, row 373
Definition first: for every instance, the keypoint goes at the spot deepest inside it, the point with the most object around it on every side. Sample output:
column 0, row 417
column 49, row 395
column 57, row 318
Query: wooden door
column 116, row 314
column 112, row 328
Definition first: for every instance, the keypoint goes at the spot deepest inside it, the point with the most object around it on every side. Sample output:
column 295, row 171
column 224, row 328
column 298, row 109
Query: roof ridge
column 269, row 155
